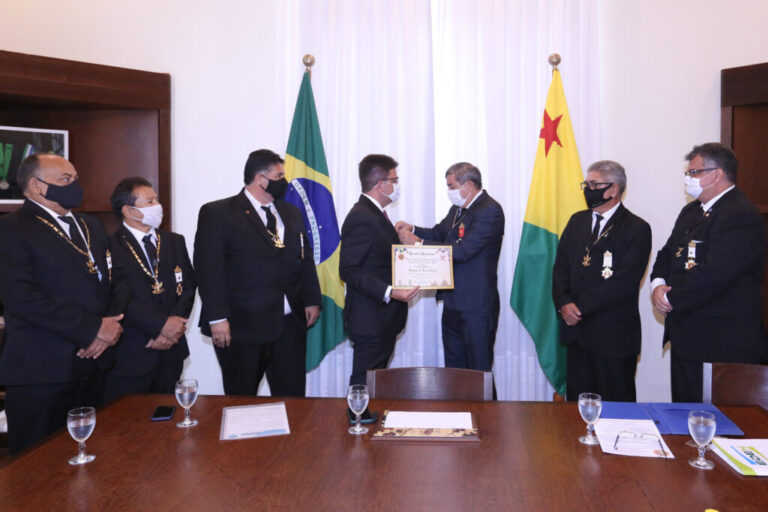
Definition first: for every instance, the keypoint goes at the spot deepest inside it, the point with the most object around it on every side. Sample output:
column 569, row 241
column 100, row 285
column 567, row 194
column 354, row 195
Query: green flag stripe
column 531, row 287
column 304, row 141
column 326, row 334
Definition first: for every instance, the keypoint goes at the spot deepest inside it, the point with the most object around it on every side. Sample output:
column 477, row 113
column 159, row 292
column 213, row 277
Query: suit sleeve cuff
column 217, row 321
column 388, row 294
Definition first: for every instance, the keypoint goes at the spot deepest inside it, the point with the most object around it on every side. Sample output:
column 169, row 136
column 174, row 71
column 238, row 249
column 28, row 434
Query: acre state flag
column 555, row 195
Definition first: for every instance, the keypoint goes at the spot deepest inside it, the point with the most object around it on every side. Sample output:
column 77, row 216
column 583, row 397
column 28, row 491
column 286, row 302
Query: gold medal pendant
column 585, row 262
column 278, row 243
column 91, row 267
column 157, row 288
column 679, row 252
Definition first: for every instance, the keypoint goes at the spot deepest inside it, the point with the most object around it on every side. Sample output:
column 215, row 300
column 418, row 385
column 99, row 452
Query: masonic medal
column 607, row 265
column 691, row 262
column 157, row 287
column 109, row 265
column 461, row 231
column 179, row 279
column 679, row 252
column 587, row 260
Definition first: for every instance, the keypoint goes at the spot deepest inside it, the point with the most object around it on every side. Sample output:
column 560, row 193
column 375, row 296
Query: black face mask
column 67, row 196
column 277, row 188
column 595, row 197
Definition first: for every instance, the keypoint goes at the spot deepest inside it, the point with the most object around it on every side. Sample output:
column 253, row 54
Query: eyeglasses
column 393, row 180
column 695, row 172
column 634, row 437
column 594, row 185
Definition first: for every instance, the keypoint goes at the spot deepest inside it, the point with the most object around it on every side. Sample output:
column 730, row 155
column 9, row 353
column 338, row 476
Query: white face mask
column 454, row 195
column 693, row 186
column 395, row 192
column 153, row 215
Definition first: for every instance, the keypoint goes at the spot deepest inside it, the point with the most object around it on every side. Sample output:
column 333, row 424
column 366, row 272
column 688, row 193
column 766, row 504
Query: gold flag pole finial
column 554, row 61
column 309, row 61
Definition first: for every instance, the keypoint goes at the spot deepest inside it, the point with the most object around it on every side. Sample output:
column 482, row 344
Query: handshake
column 405, row 232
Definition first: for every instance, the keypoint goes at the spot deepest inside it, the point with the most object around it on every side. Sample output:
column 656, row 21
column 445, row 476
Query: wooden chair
column 430, row 384
column 736, row 384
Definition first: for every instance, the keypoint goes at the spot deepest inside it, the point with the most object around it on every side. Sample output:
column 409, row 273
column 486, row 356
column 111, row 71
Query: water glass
column 590, row 406
column 80, row 423
column 357, row 399
column 186, row 394
column 701, row 425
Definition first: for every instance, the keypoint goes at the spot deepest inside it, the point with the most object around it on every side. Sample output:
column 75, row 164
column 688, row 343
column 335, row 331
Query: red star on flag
column 549, row 132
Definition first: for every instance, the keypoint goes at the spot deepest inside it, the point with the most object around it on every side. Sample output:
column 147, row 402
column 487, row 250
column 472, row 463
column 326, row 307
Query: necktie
column 271, row 220
column 151, row 251
column 74, row 233
column 387, row 216
column 596, row 229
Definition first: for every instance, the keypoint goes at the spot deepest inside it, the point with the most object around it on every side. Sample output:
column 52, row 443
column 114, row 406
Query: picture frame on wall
column 18, row 142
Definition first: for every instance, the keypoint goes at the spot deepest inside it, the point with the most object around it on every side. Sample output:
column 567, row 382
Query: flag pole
column 309, row 61
column 554, row 61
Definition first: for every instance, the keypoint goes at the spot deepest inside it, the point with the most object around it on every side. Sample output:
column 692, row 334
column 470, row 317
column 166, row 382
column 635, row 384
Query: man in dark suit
column 61, row 309
column 374, row 313
column 601, row 258
column 158, row 272
column 258, row 282
column 707, row 279
column 474, row 228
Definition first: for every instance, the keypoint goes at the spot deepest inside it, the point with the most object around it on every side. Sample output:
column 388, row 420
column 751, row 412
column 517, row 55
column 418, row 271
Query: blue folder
column 669, row 418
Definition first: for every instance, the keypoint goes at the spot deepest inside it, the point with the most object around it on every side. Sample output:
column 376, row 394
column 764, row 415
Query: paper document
column 636, row 438
column 747, row 456
column 408, row 419
column 246, row 421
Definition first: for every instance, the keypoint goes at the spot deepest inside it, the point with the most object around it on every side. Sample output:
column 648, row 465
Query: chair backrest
column 426, row 383
column 736, row 384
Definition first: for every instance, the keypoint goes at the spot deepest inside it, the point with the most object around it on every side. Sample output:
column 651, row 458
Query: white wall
column 660, row 85
column 660, row 63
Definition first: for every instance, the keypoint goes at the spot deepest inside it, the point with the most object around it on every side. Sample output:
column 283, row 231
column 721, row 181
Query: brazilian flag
column 310, row 191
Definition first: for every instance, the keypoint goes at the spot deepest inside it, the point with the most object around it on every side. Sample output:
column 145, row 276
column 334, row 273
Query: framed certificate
column 427, row 266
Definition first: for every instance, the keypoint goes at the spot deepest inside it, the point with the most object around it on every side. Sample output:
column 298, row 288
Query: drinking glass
column 701, row 425
column 186, row 394
column 80, row 423
column 590, row 405
column 357, row 398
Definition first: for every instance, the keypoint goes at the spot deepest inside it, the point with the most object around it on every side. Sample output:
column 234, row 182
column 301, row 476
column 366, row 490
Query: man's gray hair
column 612, row 172
column 465, row 171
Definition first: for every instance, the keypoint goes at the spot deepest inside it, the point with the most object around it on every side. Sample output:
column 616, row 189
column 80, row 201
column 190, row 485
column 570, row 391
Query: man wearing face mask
column 374, row 313
column 600, row 261
column 707, row 279
column 258, row 282
column 158, row 272
column 62, row 310
column 474, row 227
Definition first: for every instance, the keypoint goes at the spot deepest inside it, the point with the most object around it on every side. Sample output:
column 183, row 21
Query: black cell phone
column 163, row 412
column 365, row 418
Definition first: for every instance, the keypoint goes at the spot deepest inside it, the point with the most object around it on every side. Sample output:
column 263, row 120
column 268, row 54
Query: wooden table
column 528, row 459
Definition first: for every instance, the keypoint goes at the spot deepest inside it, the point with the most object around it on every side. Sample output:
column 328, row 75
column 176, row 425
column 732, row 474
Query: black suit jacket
column 610, row 324
column 365, row 264
column 717, row 304
column 243, row 277
column 475, row 255
column 53, row 305
column 147, row 313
